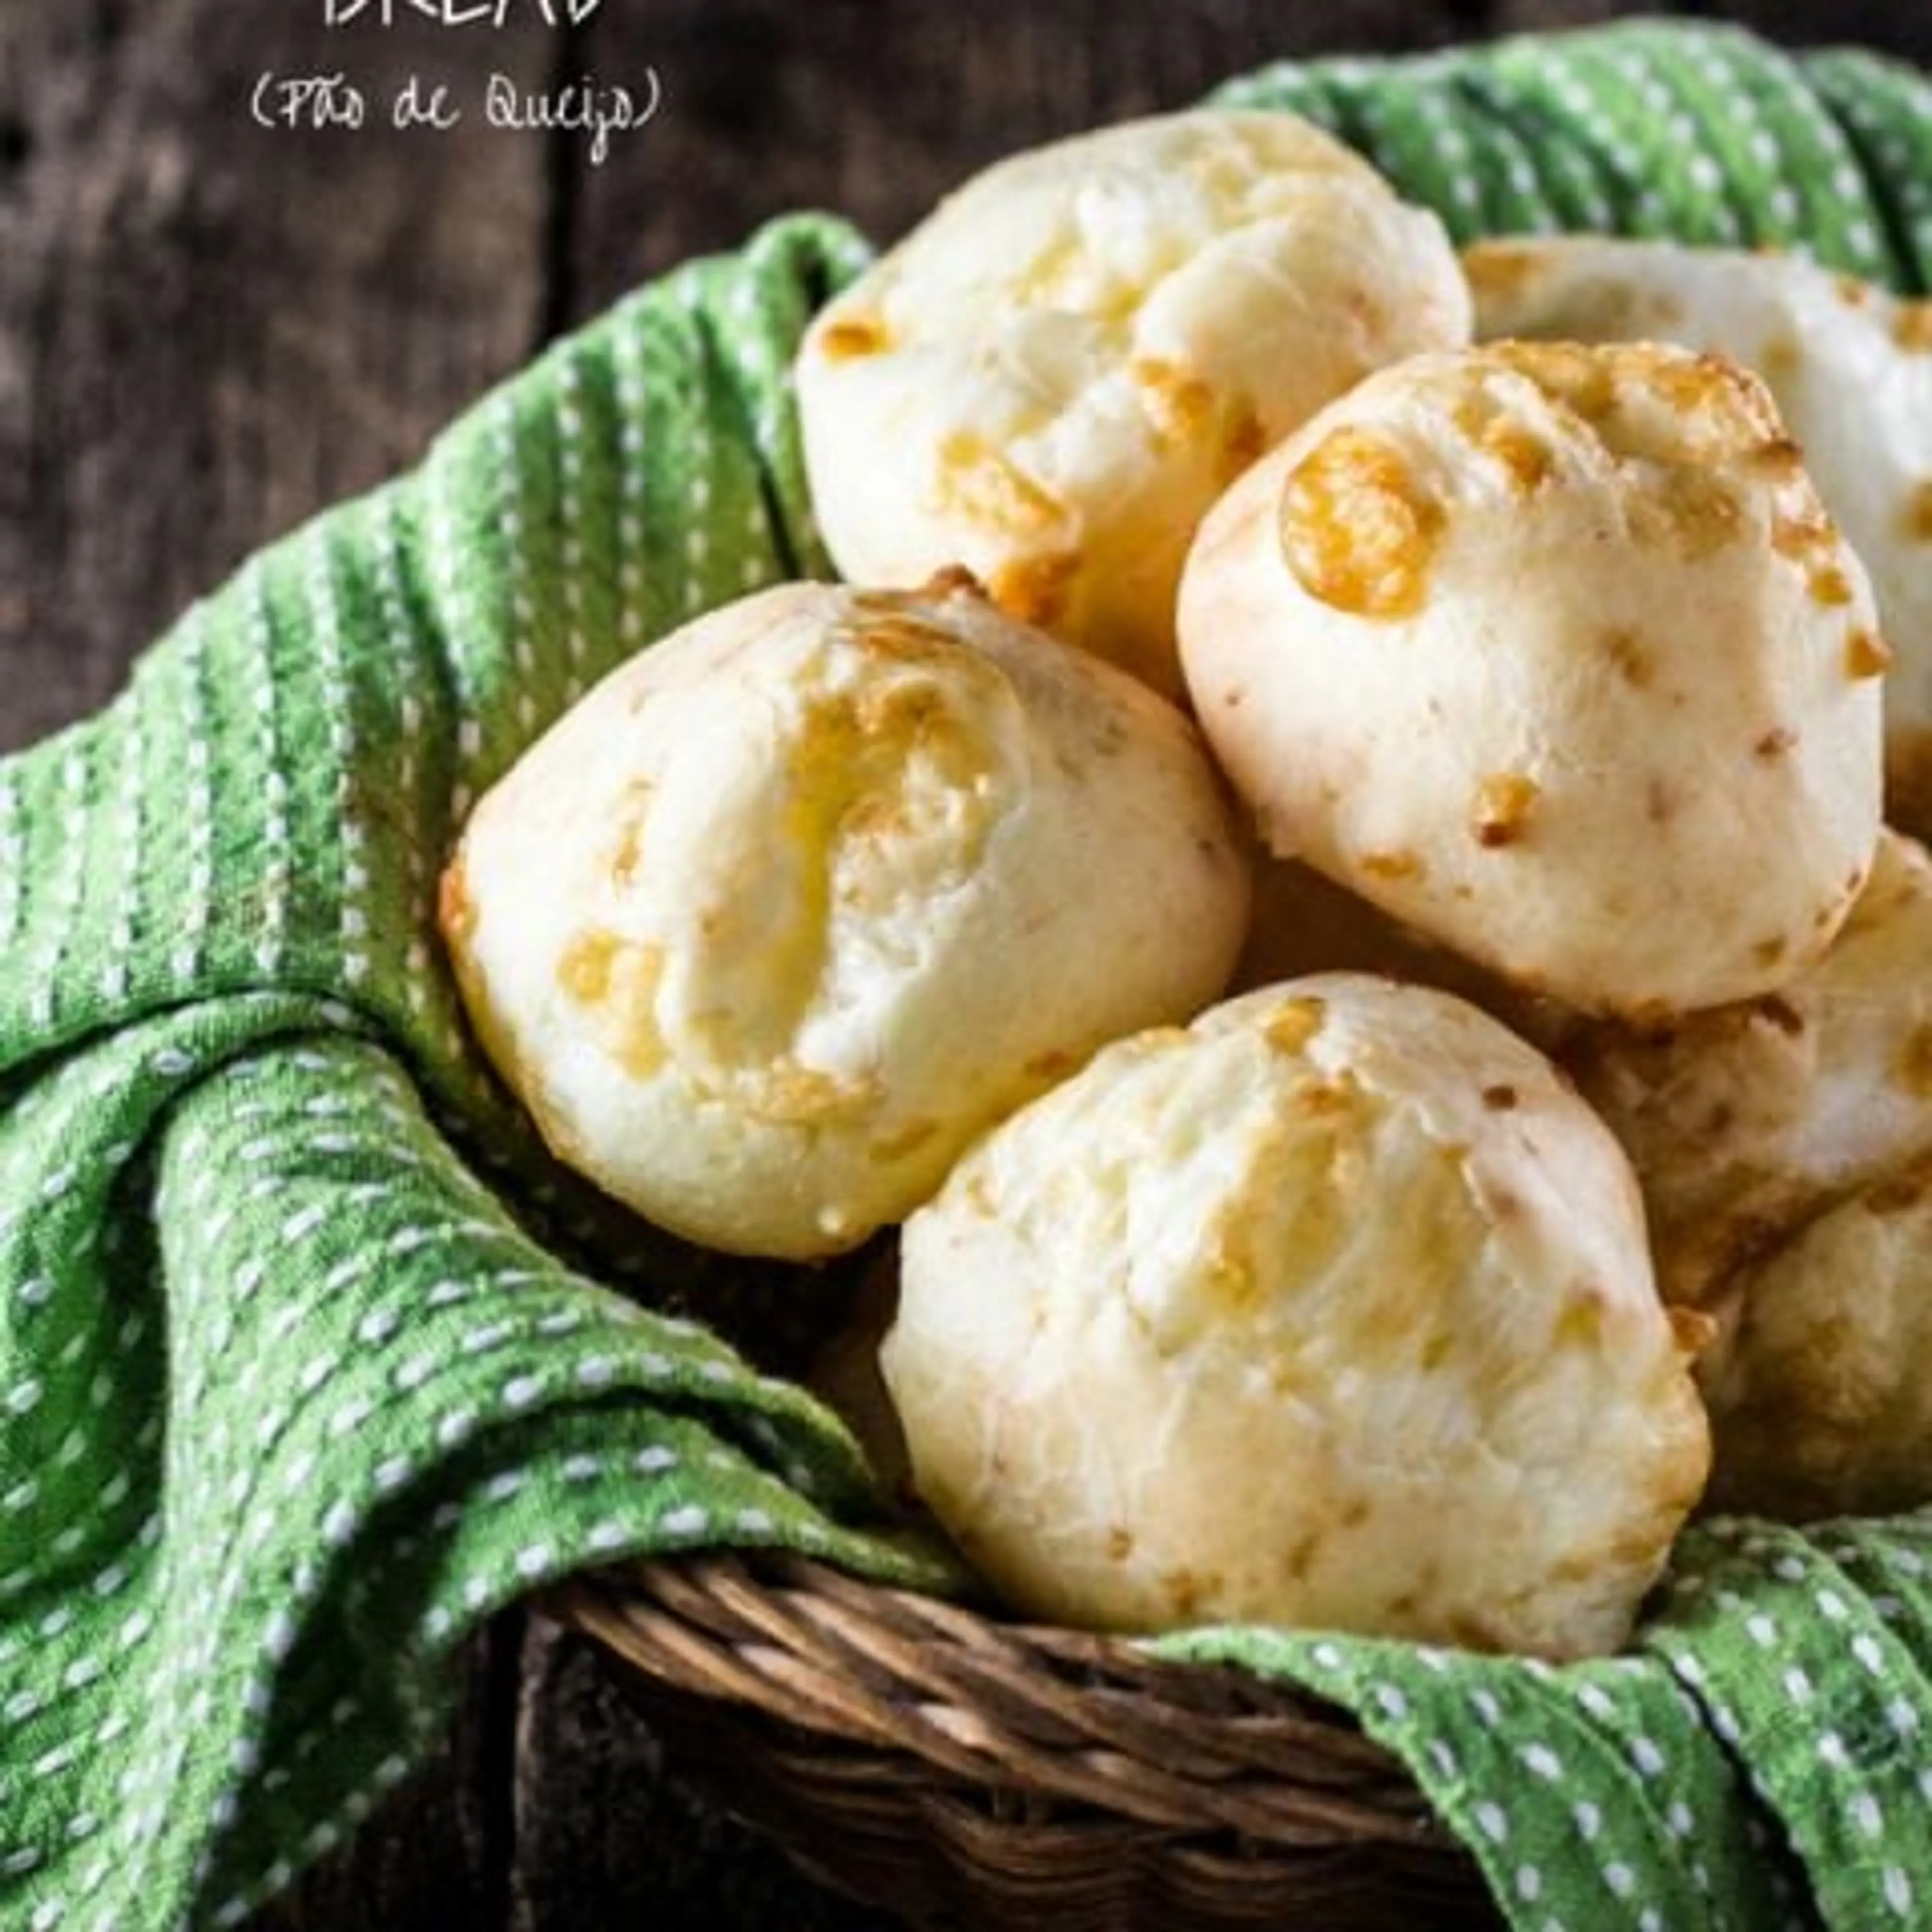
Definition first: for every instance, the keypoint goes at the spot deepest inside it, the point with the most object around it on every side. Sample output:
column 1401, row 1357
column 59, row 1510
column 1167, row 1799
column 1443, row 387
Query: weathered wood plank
column 209, row 330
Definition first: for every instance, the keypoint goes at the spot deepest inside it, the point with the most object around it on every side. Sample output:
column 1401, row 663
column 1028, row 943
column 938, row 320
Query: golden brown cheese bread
column 1551, row 652
column 804, row 897
column 1333, row 1309
column 1851, row 368
column 1055, row 375
column 1784, row 1146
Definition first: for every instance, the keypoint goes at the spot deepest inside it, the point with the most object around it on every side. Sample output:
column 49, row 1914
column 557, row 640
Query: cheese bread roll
column 1551, row 652
column 1784, row 1146
column 1820, row 1391
column 1051, row 379
column 1332, row 1309
column 1851, row 368
column 804, row 897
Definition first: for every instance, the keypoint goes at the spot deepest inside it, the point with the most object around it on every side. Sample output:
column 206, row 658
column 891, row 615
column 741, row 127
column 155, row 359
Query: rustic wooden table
column 208, row 329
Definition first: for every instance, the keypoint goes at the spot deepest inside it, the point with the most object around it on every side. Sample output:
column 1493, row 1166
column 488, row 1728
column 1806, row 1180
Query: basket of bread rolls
column 1303, row 954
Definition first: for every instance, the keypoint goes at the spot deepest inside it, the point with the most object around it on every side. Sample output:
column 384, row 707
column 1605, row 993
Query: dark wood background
column 208, row 330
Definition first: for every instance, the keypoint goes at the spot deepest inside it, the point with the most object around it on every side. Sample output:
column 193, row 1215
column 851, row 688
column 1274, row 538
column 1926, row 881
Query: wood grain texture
column 208, row 331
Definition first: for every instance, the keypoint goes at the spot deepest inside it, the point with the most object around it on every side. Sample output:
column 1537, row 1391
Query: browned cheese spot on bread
column 1633, row 658
column 1911, row 328
column 1357, row 529
column 1917, row 516
column 1867, row 655
column 1036, row 589
column 1504, row 802
column 851, row 337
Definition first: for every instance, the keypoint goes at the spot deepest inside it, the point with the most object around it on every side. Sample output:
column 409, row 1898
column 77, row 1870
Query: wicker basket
column 966, row 1772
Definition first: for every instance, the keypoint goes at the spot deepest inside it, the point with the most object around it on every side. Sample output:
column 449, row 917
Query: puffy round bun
column 1821, row 1397
column 1051, row 379
column 1785, row 1150
column 802, row 898
column 1851, row 368
column 1551, row 652
column 1332, row 1309
column 1747, row 1118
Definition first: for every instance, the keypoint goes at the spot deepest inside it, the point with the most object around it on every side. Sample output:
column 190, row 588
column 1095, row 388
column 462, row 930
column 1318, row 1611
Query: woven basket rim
column 1008, row 1712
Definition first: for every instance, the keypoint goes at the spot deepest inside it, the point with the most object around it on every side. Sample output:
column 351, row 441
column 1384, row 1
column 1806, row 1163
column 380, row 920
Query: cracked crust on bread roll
column 1850, row 366
column 802, row 898
column 1055, row 375
column 1331, row 1309
column 1784, row 1147
column 1552, row 653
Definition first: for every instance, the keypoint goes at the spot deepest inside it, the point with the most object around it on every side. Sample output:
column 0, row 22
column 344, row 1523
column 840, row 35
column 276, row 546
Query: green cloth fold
column 310, row 1358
